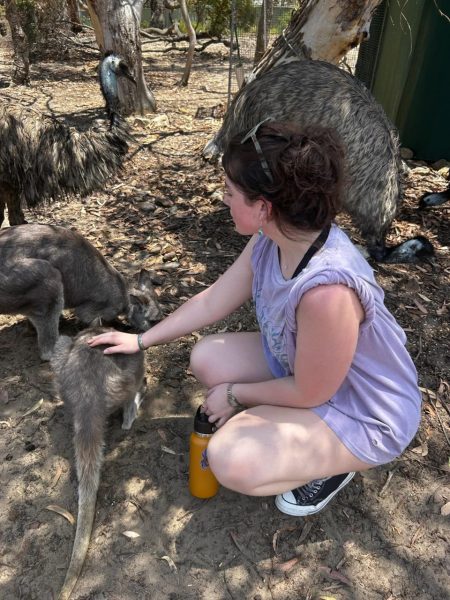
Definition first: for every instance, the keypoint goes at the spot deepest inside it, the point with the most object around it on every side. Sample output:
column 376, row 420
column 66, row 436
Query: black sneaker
column 313, row 496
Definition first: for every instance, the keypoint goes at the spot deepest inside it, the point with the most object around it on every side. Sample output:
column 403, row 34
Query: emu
column 315, row 92
column 42, row 159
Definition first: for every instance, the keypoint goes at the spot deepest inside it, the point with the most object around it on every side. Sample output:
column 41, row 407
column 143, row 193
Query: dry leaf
column 31, row 410
column 332, row 574
column 428, row 392
column 327, row 597
column 61, row 511
column 56, row 477
column 422, row 450
column 168, row 450
column 424, row 298
column 287, row 566
column 420, row 306
column 445, row 510
column 169, row 561
column 131, row 534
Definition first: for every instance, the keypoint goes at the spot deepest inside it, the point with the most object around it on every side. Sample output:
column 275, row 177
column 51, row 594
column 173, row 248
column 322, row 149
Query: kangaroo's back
column 84, row 270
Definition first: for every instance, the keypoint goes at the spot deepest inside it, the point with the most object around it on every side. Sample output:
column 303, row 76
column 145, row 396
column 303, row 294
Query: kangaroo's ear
column 97, row 322
column 145, row 281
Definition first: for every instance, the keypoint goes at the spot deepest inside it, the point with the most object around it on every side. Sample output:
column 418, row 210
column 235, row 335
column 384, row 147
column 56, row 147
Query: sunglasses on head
column 251, row 135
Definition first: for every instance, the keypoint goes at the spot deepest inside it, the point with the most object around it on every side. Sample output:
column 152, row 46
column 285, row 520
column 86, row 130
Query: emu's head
column 116, row 66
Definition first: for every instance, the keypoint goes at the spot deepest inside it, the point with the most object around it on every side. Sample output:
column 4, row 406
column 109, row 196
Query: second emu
column 311, row 92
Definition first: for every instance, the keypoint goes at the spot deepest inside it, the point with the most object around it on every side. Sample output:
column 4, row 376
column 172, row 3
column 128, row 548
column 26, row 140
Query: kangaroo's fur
column 45, row 268
column 92, row 385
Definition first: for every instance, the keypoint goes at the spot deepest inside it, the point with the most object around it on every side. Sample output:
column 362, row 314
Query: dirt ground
column 385, row 537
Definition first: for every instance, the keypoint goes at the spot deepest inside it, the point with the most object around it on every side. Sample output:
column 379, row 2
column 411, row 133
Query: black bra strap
column 315, row 246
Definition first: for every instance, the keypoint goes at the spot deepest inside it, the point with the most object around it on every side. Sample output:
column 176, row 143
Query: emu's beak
column 125, row 71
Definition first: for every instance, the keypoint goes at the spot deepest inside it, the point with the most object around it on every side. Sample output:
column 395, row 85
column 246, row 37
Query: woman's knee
column 205, row 362
column 200, row 360
column 232, row 465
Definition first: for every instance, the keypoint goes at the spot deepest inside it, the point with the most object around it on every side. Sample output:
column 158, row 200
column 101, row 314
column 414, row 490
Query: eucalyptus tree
column 116, row 24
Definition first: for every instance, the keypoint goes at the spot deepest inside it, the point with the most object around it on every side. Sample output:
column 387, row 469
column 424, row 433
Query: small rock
column 406, row 153
column 147, row 206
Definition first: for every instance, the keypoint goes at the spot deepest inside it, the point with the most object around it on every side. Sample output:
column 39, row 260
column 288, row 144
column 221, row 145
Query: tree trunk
column 21, row 60
column 116, row 24
column 157, row 14
column 321, row 30
column 74, row 16
column 264, row 23
column 192, row 42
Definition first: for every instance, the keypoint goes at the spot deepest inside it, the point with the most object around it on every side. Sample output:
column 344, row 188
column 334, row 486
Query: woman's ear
column 266, row 210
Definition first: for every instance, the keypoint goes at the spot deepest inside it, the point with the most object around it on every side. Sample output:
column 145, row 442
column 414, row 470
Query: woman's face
column 246, row 215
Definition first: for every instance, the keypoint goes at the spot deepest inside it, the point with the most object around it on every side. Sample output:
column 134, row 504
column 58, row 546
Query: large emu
column 315, row 92
column 42, row 159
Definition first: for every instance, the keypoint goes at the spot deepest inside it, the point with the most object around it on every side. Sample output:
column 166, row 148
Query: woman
column 326, row 387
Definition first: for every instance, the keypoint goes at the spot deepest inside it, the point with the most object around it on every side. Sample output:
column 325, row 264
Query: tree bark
column 74, row 16
column 116, row 25
column 264, row 23
column 320, row 30
column 192, row 42
column 21, row 60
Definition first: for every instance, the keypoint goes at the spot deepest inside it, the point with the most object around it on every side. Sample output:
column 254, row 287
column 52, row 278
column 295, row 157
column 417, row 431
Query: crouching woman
column 326, row 387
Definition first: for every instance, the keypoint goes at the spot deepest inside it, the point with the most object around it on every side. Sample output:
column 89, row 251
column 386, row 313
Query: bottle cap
column 201, row 423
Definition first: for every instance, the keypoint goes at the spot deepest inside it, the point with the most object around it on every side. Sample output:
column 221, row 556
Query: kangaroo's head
column 143, row 309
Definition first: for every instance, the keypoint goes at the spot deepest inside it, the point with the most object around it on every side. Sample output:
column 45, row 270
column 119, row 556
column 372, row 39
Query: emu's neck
column 108, row 83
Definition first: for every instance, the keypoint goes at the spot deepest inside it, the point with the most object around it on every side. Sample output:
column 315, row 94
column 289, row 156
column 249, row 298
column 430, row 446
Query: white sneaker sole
column 294, row 510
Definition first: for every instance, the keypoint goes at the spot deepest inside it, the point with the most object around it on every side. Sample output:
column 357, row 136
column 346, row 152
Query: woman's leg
column 229, row 358
column 268, row 450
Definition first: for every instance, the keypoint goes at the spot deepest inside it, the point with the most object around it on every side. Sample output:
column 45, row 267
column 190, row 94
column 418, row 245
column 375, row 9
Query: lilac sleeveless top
column 376, row 411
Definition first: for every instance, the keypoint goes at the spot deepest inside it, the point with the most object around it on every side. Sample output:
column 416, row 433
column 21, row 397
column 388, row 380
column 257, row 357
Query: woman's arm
column 223, row 297
column 328, row 320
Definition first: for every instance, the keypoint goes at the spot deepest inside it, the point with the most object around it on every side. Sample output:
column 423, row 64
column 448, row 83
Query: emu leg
column 10, row 198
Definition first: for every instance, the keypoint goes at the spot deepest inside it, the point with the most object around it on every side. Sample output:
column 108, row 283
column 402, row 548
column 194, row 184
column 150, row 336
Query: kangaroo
column 45, row 268
column 92, row 385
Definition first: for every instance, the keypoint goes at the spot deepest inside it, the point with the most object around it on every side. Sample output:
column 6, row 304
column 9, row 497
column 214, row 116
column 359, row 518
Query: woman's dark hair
column 299, row 170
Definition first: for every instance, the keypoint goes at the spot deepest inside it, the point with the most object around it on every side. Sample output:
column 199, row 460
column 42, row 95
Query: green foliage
column 213, row 16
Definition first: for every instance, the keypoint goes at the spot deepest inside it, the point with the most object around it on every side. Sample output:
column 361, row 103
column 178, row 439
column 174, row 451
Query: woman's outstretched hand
column 121, row 343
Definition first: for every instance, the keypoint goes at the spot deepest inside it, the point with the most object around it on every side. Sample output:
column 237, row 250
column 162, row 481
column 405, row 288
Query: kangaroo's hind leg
column 130, row 410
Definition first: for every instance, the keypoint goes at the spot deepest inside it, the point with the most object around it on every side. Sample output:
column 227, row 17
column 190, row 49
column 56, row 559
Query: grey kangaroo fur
column 311, row 92
column 92, row 385
column 45, row 268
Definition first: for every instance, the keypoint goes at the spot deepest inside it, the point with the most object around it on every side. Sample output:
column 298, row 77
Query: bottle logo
column 204, row 462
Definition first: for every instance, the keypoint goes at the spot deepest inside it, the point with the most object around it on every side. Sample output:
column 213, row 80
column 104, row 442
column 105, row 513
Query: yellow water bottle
column 202, row 483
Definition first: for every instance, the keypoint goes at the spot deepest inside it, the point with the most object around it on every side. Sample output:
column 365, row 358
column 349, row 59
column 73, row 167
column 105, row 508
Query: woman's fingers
column 103, row 338
column 119, row 342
